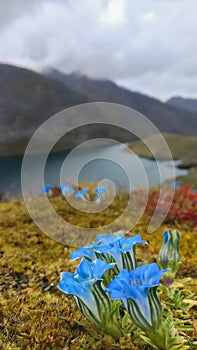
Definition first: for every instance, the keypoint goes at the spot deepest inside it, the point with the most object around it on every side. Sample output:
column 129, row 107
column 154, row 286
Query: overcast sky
column 146, row 45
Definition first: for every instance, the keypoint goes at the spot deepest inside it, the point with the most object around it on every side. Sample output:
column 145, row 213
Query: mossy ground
column 34, row 314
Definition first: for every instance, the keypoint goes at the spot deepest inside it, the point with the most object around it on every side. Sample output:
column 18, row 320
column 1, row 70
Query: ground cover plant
column 183, row 210
column 35, row 314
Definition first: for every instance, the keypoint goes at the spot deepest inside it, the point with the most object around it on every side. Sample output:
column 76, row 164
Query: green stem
column 158, row 338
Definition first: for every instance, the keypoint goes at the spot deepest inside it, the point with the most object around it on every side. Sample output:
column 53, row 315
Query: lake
column 124, row 169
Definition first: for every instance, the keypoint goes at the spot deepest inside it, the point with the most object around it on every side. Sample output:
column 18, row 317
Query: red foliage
column 183, row 209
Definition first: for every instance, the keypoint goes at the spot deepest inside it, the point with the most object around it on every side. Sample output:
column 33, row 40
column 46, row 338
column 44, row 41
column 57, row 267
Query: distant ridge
column 28, row 98
column 167, row 118
column 188, row 104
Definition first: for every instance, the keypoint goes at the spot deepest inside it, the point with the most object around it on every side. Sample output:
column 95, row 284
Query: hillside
column 165, row 117
column 28, row 98
column 182, row 147
column 188, row 104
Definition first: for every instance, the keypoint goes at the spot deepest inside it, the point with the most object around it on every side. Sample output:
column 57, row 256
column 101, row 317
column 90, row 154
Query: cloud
column 146, row 45
column 10, row 10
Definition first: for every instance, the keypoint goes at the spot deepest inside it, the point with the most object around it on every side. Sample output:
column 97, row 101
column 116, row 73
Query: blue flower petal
column 81, row 193
column 99, row 267
column 113, row 244
column 79, row 284
column 45, row 189
column 146, row 273
column 175, row 184
column 118, row 247
column 100, row 190
column 70, row 285
column 92, row 270
column 165, row 237
column 108, row 238
column 101, row 245
column 87, row 252
column 135, row 285
column 84, row 271
column 120, row 284
column 68, row 187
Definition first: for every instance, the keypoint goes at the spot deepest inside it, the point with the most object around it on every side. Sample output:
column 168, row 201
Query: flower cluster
column 97, row 194
column 101, row 261
column 121, row 297
column 108, row 277
column 112, row 248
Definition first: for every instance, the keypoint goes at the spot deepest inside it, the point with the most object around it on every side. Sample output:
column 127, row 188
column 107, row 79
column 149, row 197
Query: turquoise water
column 122, row 168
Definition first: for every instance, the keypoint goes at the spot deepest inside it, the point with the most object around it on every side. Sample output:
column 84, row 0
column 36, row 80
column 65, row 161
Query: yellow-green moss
column 34, row 314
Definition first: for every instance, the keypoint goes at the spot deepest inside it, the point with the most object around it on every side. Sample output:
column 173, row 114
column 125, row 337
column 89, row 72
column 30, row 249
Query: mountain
column 167, row 118
column 188, row 104
column 28, row 98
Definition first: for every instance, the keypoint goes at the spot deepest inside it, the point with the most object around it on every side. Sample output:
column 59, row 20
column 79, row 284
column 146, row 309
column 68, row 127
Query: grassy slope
column 34, row 314
column 181, row 147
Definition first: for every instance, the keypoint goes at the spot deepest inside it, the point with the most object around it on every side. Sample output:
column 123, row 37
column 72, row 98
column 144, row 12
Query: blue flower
column 169, row 250
column 82, row 193
column 137, row 290
column 175, row 184
column 108, row 238
column 123, row 251
column 90, row 251
column 112, row 248
column 46, row 189
column 67, row 186
column 100, row 190
column 87, row 252
column 169, row 256
column 82, row 283
column 100, row 193
column 66, row 189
